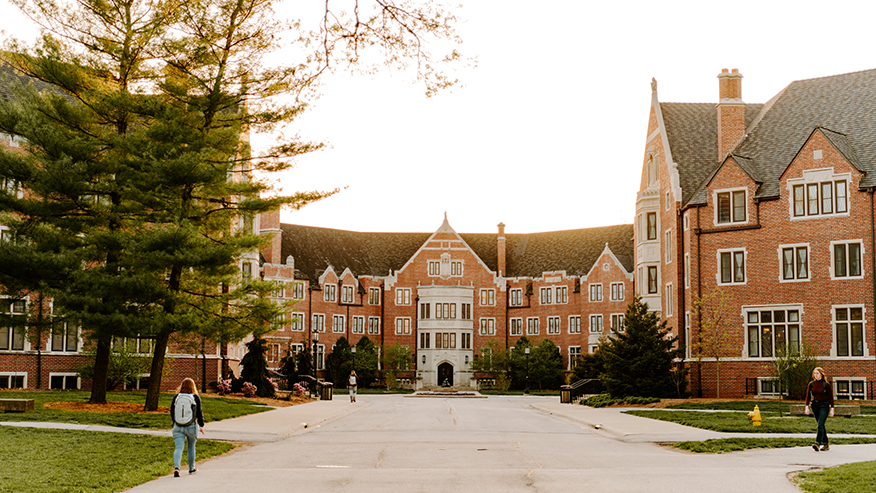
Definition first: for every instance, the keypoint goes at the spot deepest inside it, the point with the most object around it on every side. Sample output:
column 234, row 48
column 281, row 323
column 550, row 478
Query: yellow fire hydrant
column 755, row 416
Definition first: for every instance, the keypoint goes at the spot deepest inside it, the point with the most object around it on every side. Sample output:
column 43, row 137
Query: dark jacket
column 819, row 390
column 199, row 414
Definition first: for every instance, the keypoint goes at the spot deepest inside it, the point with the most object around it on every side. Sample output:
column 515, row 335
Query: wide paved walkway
column 499, row 444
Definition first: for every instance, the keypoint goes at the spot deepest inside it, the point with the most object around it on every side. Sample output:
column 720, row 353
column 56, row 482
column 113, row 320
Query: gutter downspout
column 697, row 231
column 873, row 248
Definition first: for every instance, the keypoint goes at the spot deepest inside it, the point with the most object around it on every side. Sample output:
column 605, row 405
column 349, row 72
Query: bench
column 847, row 411
column 16, row 405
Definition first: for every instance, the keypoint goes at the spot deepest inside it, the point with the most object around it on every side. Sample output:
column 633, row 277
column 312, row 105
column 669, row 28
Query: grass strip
column 847, row 478
column 772, row 406
column 46, row 460
column 739, row 422
column 724, row 445
column 215, row 409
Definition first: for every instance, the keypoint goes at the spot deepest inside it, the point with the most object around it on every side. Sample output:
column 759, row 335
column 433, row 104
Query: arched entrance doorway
column 445, row 375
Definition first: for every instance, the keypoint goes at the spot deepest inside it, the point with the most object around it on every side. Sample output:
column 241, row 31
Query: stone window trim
column 13, row 379
column 574, row 324
column 851, row 319
column 822, row 182
column 617, row 291
column 848, row 388
column 793, row 267
column 852, row 265
column 735, row 213
column 736, row 278
column 792, row 324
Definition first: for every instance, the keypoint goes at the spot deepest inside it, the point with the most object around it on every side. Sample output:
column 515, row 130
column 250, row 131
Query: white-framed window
column 445, row 340
column 298, row 319
column 298, row 290
column 64, row 381
column 347, row 293
column 466, row 310
column 374, row 325
column 848, row 331
column 318, row 322
column 574, row 354
column 593, row 348
column 516, row 326
column 358, row 325
column 373, row 296
column 402, row 325
column 553, row 325
column 465, row 343
column 846, row 388
column 666, row 200
column 65, row 337
column 546, row 297
column 273, row 352
column 819, row 194
column 767, row 386
column 488, row 297
column 532, row 326
column 596, row 323
column 562, row 294
column 617, row 291
column 846, row 263
column 13, row 380
column 795, row 262
column 5, row 235
column 338, row 324
column 652, row 281
column 687, row 270
column 488, row 326
column 296, row 347
column 434, row 268
column 330, row 292
column 651, row 225
column 320, row 357
column 246, row 271
column 425, row 311
column 279, row 290
column 425, row 340
column 456, row 268
column 596, row 292
column 667, row 246
column 13, row 337
column 730, row 206
column 731, row 266
column 668, row 298
column 574, row 324
column 769, row 328
column 445, row 310
column 686, row 222
column 617, row 322
column 12, row 187
column 516, row 297
column 402, row 296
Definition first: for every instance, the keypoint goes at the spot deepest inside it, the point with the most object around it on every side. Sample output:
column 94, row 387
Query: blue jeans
column 820, row 410
column 181, row 434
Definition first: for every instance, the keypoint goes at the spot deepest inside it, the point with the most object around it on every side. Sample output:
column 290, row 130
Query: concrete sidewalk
column 264, row 427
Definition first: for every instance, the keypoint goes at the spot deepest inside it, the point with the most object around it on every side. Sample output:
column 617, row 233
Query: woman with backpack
column 185, row 410
column 819, row 402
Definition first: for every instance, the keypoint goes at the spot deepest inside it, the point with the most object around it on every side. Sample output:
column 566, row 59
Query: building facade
column 446, row 295
column 769, row 206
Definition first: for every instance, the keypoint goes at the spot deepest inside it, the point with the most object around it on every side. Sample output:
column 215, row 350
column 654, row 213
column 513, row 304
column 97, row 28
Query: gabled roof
column 692, row 130
column 843, row 106
column 527, row 255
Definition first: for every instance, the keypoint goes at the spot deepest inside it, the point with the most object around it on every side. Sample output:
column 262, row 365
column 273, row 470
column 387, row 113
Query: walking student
column 185, row 410
column 819, row 400
column 352, row 386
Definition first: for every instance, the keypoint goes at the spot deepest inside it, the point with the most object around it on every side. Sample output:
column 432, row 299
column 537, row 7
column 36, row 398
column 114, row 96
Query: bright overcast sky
column 547, row 132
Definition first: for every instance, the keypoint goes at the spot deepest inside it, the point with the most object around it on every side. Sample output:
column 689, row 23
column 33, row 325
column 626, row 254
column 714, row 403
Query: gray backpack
column 184, row 409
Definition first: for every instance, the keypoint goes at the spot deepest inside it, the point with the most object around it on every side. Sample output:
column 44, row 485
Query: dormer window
column 819, row 193
column 730, row 207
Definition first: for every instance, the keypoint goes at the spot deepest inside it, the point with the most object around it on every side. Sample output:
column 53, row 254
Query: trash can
column 565, row 394
column 325, row 391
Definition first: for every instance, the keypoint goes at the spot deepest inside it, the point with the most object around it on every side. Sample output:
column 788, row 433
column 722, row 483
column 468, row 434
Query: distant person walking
column 819, row 400
column 185, row 410
column 352, row 386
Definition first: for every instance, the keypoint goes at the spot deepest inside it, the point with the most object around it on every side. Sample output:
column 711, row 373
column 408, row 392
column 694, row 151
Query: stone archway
column 445, row 375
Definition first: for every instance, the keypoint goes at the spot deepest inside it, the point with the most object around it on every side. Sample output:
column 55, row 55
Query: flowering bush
column 276, row 387
column 224, row 387
column 249, row 390
column 300, row 387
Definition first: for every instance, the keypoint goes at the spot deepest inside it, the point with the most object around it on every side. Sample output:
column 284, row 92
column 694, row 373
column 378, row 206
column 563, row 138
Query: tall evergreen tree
column 639, row 360
column 254, row 367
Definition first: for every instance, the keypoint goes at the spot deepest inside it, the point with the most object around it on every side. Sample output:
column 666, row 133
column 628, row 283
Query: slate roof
column 526, row 255
column 844, row 106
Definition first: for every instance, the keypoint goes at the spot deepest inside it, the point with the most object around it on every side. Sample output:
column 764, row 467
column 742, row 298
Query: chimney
column 269, row 223
column 501, row 249
column 731, row 111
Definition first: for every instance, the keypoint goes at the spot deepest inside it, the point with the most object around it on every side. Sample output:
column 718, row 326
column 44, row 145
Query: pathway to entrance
column 499, row 444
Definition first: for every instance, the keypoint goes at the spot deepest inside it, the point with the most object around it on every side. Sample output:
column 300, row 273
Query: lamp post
column 526, row 351
column 315, row 340
column 353, row 350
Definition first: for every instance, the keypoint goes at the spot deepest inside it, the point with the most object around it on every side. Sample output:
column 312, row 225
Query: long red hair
column 187, row 387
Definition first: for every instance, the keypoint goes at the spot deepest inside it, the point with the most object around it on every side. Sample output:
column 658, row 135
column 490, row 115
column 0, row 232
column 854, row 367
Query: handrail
column 579, row 388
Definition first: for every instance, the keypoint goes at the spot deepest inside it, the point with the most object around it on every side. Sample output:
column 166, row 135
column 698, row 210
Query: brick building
column 445, row 295
column 773, row 205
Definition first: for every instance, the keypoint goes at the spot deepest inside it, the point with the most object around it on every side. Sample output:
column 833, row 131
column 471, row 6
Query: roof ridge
column 834, row 75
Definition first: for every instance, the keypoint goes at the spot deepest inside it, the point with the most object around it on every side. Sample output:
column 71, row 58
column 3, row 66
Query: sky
column 547, row 132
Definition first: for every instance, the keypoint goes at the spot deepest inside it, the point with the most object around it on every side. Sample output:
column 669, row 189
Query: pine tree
column 639, row 360
column 254, row 367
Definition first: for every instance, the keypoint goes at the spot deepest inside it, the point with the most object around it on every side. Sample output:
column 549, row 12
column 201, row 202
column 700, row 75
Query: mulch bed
column 133, row 407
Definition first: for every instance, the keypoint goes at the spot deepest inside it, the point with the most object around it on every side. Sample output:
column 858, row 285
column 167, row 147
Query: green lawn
column 44, row 460
column 764, row 406
column 215, row 409
column 739, row 422
column 722, row 445
column 848, row 478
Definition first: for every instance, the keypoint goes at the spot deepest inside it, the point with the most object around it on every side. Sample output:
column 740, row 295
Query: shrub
column 249, row 390
column 603, row 400
column 224, row 387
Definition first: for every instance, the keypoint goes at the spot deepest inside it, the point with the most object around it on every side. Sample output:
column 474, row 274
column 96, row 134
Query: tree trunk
column 156, row 370
column 101, row 369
